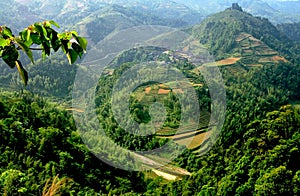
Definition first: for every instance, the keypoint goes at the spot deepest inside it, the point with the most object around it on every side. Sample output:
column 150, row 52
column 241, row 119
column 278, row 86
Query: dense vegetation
column 261, row 148
column 219, row 33
column 39, row 142
column 291, row 30
column 139, row 107
column 257, row 152
column 263, row 161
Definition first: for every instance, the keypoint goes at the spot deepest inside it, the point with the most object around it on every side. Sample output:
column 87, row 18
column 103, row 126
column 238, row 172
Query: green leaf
column 64, row 46
column 82, row 42
column 28, row 35
column 26, row 49
column 46, row 48
column 65, row 36
column 23, row 73
column 6, row 32
column 77, row 49
column 4, row 42
column 10, row 55
column 55, row 41
column 74, row 33
column 42, row 31
column 54, row 23
column 72, row 56
column 36, row 38
column 25, row 34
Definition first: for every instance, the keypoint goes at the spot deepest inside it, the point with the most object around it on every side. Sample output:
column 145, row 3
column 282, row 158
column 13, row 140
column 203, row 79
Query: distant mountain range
column 235, row 38
column 179, row 12
column 276, row 11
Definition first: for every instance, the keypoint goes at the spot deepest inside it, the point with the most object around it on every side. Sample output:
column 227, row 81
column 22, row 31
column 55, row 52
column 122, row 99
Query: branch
column 19, row 48
column 36, row 48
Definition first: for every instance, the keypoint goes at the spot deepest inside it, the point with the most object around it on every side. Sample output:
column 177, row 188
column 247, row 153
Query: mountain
column 164, row 9
column 93, row 20
column 237, row 34
column 289, row 6
column 66, row 11
column 115, row 18
column 291, row 30
column 256, row 152
column 12, row 10
column 255, row 148
column 275, row 11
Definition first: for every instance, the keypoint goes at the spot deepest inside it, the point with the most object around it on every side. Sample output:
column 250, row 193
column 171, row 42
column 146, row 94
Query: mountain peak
column 233, row 33
column 236, row 6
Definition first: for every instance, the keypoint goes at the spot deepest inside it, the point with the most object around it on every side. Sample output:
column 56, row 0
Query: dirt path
column 168, row 172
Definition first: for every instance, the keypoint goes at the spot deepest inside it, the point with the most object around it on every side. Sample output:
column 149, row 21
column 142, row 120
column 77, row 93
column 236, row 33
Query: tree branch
column 36, row 48
column 19, row 48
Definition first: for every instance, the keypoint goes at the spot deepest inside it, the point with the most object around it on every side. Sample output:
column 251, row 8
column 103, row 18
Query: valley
column 171, row 98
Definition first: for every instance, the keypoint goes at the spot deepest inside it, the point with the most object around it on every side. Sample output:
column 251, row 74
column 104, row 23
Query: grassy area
column 228, row 61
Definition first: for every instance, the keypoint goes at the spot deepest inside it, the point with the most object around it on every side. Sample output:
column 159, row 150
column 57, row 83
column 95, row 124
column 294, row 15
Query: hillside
column 236, row 34
column 12, row 10
column 291, row 30
column 95, row 22
column 113, row 18
column 72, row 11
column 140, row 89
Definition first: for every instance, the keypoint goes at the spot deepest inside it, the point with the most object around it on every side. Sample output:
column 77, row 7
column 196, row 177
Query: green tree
column 39, row 36
column 12, row 182
column 276, row 181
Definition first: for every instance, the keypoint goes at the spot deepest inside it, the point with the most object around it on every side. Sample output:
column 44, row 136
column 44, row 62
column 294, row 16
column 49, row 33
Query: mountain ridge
column 220, row 32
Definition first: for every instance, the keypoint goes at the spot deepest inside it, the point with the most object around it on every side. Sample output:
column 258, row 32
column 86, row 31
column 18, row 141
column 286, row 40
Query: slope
column 233, row 33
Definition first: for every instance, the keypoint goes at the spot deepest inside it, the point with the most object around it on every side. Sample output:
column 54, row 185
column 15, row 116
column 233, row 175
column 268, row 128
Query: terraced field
column 191, row 139
column 251, row 52
column 228, row 61
column 251, row 46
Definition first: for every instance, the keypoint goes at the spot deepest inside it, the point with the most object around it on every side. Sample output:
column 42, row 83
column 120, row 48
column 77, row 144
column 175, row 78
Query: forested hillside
column 257, row 152
column 291, row 30
column 39, row 142
column 263, row 161
column 223, row 31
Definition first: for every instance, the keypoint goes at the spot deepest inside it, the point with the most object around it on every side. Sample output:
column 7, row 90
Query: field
column 258, row 50
column 228, row 61
column 250, row 52
column 193, row 141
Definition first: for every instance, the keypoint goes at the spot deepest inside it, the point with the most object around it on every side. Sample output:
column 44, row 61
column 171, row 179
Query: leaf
column 23, row 73
column 25, row 34
column 77, row 49
column 26, row 49
column 46, row 48
column 54, row 23
column 6, row 32
column 28, row 35
column 74, row 33
column 72, row 56
column 4, row 42
column 64, row 45
column 42, row 31
column 55, row 41
column 82, row 42
column 10, row 55
column 36, row 38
